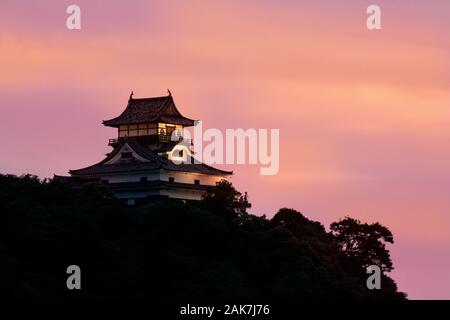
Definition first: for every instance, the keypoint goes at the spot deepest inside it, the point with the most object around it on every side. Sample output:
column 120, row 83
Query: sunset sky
column 364, row 116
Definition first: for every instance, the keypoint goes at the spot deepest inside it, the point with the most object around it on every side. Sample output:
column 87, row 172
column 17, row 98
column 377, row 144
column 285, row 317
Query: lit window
column 123, row 133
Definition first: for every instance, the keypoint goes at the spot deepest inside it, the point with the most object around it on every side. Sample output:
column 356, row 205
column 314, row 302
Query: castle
column 141, row 165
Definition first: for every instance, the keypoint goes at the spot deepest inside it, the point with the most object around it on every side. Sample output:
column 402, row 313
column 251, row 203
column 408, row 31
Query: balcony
column 152, row 139
column 165, row 138
column 113, row 142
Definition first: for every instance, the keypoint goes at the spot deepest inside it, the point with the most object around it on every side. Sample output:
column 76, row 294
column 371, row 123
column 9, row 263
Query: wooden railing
column 165, row 137
column 112, row 142
column 162, row 138
column 168, row 138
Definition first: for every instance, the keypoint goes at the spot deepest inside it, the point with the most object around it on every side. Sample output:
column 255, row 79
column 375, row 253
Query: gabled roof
column 157, row 109
column 166, row 147
column 155, row 162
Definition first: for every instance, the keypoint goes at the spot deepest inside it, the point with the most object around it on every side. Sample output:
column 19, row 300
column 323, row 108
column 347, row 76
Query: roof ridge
column 167, row 164
column 149, row 109
column 147, row 153
column 169, row 101
column 108, row 157
column 150, row 98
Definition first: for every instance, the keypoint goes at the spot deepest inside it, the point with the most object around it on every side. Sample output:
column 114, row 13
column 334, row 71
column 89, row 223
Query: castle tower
column 140, row 166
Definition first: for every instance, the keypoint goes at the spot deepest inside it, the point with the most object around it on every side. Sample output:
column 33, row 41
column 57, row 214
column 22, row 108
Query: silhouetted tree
column 224, row 200
column 364, row 244
column 168, row 250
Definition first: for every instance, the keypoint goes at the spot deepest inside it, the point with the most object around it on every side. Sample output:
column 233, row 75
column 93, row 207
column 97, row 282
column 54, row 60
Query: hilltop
column 170, row 250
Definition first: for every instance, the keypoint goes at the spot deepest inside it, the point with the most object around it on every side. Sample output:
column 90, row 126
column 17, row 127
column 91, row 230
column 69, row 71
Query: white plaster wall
column 181, row 177
column 183, row 194
column 184, row 177
column 125, row 148
column 174, row 193
column 118, row 178
column 136, row 195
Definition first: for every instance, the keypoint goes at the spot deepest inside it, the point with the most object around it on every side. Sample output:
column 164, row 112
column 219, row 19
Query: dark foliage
column 363, row 244
column 225, row 201
column 167, row 250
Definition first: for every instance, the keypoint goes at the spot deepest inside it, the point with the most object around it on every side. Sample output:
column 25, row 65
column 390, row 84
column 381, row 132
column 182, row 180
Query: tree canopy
column 363, row 244
column 171, row 250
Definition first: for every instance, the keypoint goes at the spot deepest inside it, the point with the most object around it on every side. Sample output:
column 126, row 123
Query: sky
column 363, row 114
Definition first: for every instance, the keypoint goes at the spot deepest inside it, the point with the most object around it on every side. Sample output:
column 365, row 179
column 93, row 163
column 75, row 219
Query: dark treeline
column 211, row 250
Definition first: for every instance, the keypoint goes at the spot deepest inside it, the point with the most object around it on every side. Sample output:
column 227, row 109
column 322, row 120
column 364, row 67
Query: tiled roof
column 155, row 162
column 155, row 109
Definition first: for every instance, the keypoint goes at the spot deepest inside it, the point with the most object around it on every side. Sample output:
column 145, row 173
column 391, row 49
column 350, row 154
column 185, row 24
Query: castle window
column 180, row 153
column 144, row 179
column 171, row 179
column 196, row 181
column 123, row 131
column 142, row 129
